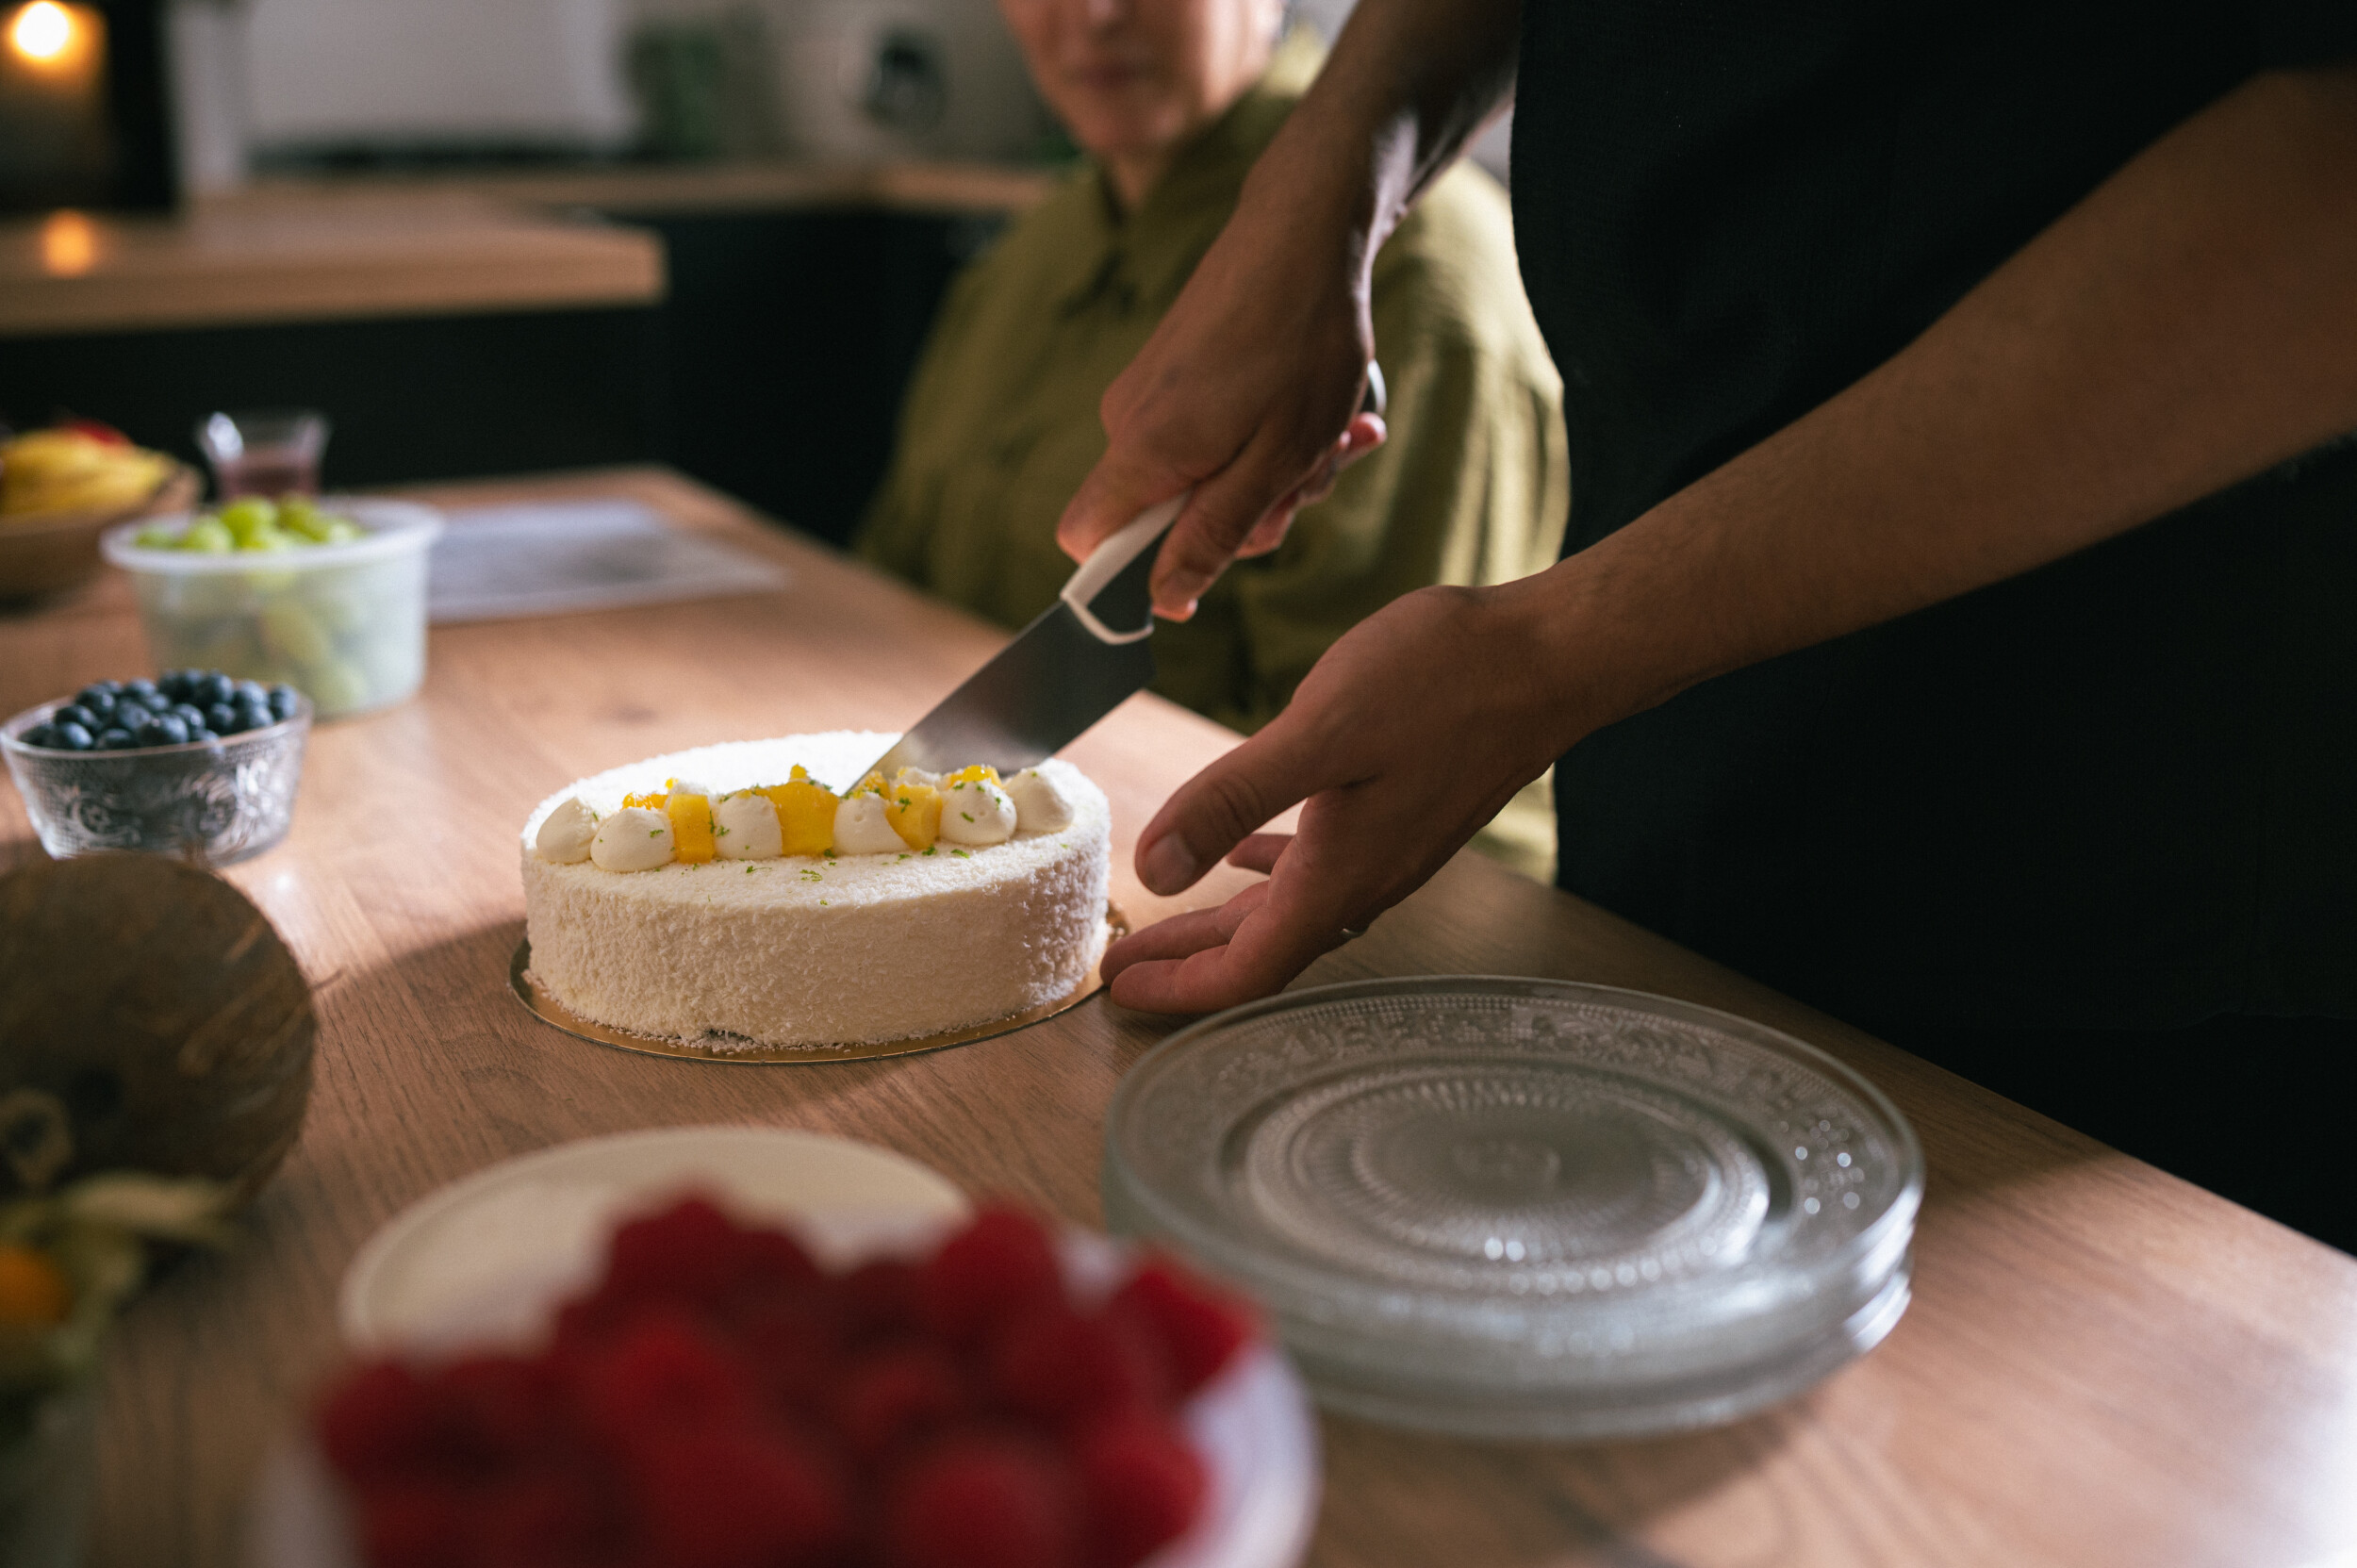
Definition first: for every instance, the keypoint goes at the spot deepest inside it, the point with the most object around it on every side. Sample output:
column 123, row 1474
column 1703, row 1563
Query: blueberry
column 40, row 734
column 71, row 714
column 95, row 699
column 251, row 716
column 142, row 689
column 213, row 686
column 149, row 731
column 112, row 688
column 222, row 719
column 72, row 737
column 282, row 700
column 253, row 691
column 189, row 714
column 174, row 728
column 117, row 740
column 201, row 734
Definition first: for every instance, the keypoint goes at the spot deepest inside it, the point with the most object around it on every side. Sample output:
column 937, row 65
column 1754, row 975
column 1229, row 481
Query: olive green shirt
column 1000, row 422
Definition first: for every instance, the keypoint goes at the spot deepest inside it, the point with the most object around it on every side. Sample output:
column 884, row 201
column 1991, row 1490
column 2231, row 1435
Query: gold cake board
column 550, row 1011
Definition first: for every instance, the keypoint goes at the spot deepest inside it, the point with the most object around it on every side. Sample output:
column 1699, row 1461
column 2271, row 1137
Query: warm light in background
column 50, row 36
column 69, row 243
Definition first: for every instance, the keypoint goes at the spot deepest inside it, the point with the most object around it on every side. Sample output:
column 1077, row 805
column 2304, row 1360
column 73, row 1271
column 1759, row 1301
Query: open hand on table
column 1404, row 740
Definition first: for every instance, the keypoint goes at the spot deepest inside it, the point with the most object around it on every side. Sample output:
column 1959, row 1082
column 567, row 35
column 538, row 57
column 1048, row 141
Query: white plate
column 478, row 1260
column 485, row 1258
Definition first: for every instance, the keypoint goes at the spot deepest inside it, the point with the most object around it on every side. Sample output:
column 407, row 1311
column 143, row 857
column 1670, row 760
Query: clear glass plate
column 1526, row 1208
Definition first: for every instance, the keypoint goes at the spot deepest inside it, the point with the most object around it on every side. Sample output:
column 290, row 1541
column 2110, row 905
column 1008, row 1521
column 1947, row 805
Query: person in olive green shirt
column 1001, row 423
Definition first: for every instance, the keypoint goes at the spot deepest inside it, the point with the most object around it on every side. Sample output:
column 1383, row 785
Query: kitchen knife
column 1066, row 670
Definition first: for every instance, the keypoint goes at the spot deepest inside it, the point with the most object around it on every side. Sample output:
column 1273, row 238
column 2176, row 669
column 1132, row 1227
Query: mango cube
column 805, row 814
column 914, row 812
column 692, row 839
column 981, row 772
column 652, row 801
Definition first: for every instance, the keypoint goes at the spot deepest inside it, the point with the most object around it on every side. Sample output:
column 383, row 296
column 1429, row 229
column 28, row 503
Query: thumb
column 1110, row 498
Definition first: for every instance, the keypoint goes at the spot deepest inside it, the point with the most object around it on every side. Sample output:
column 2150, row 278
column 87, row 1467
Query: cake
column 761, row 893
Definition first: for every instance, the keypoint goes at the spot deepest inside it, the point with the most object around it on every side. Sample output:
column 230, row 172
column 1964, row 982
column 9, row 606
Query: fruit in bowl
column 80, row 466
column 60, row 488
column 328, row 597
column 720, row 1398
column 193, row 763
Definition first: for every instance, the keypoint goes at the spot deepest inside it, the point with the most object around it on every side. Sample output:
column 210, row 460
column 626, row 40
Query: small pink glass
column 266, row 452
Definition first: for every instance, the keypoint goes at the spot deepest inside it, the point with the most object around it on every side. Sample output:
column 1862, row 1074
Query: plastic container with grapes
column 343, row 623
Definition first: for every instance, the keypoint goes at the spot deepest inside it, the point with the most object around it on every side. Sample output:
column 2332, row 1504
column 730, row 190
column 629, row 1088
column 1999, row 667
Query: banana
column 58, row 471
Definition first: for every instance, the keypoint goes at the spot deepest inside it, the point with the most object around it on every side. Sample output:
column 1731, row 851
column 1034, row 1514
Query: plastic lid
column 392, row 528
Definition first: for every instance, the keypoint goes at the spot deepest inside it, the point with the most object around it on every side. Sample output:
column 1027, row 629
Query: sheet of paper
column 498, row 563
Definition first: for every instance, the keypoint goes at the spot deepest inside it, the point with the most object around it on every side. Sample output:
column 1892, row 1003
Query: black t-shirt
column 2120, row 790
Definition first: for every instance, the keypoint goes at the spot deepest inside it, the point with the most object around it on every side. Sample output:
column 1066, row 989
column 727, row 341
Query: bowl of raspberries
column 1004, row 1397
column 191, row 763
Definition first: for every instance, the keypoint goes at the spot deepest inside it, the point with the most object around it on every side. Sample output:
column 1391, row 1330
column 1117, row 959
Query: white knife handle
column 1105, row 565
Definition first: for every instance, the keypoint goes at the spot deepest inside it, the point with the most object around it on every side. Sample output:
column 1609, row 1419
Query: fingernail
column 1168, row 866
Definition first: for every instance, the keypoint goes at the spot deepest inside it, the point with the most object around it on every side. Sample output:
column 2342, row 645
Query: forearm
column 1249, row 393
column 2190, row 324
column 1408, row 83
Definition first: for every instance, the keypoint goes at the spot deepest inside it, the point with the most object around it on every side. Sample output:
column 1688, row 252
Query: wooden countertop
column 321, row 249
column 2103, row 1364
column 748, row 186
column 333, row 255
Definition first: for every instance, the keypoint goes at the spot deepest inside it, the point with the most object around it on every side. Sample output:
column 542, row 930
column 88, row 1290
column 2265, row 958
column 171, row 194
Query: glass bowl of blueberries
column 194, row 763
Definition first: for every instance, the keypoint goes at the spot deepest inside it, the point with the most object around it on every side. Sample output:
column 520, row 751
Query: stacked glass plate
column 1525, row 1208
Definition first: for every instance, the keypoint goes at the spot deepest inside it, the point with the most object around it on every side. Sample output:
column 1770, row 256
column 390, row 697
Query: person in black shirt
column 1958, row 627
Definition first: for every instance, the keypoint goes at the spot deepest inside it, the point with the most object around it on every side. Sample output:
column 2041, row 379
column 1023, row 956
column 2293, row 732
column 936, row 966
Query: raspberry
column 495, row 1408
column 1056, row 1366
column 999, row 1263
column 892, row 1396
column 665, row 1376
column 744, row 1499
column 1144, row 1486
column 1197, row 1328
column 983, row 1501
column 546, row 1520
column 688, row 1253
column 378, row 1420
column 771, row 1259
column 413, row 1525
column 795, row 1345
column 882, row 1297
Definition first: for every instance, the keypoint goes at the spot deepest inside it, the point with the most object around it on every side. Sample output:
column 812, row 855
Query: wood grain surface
column 333, row 254
column 2101, row 1365
column 330, row 247
column 749, row 185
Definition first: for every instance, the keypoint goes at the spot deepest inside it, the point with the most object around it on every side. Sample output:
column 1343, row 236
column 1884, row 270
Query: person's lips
column 1106, row 76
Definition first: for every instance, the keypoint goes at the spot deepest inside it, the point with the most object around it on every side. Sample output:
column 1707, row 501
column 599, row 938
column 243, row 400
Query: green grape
column 155, row 536
column 294, row 632
column 248, row 515
column 305, row 521
column 341, row 531
column 335, row 685
column 269, row 538
column 208, row 536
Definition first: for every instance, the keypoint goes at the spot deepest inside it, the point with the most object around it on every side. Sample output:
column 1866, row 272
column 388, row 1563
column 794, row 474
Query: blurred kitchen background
column 492, row 236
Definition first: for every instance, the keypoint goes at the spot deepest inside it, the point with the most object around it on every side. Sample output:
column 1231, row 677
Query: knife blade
column 1073, row 665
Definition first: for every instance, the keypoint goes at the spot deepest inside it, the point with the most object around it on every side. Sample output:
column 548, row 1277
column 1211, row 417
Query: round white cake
column 834, row 949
